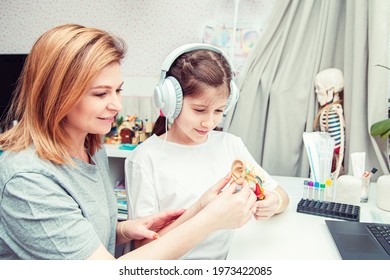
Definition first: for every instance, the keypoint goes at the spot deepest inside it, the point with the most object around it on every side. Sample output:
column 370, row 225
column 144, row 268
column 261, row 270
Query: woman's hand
column 148, row 227
column 212, row 193
column 231, row 208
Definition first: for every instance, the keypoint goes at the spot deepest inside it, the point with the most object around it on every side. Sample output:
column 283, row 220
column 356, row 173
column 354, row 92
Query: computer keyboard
column 329, row 209
column 382, row 234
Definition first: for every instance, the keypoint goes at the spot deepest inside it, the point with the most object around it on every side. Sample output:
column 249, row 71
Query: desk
column 291, row 235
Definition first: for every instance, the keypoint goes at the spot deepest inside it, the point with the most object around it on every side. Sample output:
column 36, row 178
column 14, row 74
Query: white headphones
column 168, row 94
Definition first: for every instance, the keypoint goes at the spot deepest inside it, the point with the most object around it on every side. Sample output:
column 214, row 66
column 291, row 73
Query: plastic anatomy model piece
column 329, row 85
column 244, row 171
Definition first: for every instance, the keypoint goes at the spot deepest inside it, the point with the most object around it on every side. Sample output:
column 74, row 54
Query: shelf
column 116, row 161
column 114, row 151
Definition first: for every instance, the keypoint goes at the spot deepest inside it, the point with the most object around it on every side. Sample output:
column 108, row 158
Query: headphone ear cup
column 158, row 98
column 233, row 96
column 169, row 97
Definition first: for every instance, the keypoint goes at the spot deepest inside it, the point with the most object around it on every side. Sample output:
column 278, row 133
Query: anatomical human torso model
column 329, row 86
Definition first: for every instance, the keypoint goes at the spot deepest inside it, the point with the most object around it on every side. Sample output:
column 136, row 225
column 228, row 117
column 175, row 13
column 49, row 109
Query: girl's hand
column 267, row 207
column 148, row 227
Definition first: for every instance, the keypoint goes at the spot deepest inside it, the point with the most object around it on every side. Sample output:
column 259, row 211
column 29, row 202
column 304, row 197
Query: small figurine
column 138, row 124
column 244, row 171
column 112, row 137
column 125, row 132
column 329, row 85
column 126, row 135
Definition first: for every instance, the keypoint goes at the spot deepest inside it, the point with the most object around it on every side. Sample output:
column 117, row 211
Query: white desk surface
column 292, row 235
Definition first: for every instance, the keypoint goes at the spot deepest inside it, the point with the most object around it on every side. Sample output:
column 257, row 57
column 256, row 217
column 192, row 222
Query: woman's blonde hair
column 57, row 72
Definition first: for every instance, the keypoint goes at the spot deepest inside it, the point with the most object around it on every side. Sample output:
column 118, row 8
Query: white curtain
column 278, row 102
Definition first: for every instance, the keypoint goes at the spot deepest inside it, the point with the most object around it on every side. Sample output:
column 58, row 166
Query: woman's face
column 95, row 111
column 199, row 115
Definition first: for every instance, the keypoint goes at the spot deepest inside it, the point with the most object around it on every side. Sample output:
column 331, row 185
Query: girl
column 167, row 170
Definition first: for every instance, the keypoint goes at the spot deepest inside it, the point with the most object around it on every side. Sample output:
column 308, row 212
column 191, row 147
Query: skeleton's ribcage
column 331, row 123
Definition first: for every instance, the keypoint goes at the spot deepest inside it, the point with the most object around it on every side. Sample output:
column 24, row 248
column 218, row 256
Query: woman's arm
column 194, row 209
column 227, row 210
column 145, row 228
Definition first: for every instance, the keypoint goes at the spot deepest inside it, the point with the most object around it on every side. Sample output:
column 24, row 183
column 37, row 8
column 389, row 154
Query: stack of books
column 120, row 194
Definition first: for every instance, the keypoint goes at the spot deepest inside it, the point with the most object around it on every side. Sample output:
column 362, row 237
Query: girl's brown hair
column 196, row 71
column 57, row 72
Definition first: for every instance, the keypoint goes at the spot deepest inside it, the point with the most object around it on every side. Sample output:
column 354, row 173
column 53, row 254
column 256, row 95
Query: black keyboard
column 382, row 234
column 329, row 209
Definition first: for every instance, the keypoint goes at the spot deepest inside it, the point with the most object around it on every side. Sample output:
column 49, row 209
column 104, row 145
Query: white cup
column 348, row 189
column 383, row 192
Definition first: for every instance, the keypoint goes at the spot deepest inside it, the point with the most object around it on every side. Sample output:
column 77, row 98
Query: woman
column 57, row 201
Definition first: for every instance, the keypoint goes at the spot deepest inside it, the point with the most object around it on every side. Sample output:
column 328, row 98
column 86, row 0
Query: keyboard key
column 382, row 234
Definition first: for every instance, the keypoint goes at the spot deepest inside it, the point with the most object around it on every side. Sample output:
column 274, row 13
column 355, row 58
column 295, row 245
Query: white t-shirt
column 165, row 176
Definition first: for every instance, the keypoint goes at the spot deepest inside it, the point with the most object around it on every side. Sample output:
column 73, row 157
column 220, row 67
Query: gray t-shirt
column 50, row 211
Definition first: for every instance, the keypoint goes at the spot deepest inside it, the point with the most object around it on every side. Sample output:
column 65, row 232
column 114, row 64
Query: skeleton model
column 329, row 85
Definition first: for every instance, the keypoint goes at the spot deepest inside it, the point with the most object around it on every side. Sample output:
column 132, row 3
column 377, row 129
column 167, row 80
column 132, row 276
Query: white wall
column 151, row 28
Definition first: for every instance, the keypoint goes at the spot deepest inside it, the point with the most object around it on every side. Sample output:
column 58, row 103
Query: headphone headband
column 188, row 48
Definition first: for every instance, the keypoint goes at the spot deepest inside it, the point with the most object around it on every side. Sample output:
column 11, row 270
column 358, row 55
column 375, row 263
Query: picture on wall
column 222, row 36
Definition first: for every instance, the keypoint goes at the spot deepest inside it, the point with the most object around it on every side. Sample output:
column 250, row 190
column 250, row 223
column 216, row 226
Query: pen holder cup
column 348, row 189
column 365, row 192
column 383, row 192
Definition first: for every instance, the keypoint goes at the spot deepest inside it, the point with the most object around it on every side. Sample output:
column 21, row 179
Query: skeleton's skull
column 327, row 82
